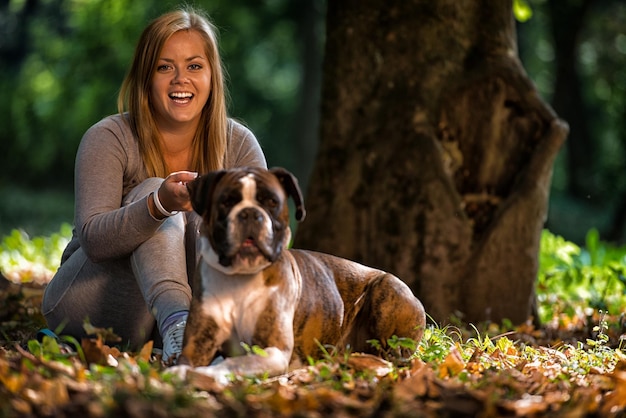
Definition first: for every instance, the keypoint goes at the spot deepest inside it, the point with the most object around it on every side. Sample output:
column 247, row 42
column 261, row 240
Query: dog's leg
column 200, row 345
column 273, row 335
column 389, row 308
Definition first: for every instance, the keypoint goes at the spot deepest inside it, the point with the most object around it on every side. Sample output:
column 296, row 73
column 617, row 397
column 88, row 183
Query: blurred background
column 62, row 62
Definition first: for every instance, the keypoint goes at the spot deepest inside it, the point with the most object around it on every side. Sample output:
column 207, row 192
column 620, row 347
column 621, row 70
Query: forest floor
column 571, row 368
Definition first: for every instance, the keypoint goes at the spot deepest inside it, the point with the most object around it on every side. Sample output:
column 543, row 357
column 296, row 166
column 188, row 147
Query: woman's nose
column 179, row 77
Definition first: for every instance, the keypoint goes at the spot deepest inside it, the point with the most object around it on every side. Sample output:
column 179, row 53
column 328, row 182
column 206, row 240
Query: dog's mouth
column 249, row 244
column 249, row 249
column 248, row 255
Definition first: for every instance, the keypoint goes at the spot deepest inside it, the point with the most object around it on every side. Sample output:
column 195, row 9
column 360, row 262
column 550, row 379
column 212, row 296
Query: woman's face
column 181, row 82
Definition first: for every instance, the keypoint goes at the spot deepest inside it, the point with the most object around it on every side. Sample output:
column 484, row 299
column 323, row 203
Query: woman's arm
column 106, row 158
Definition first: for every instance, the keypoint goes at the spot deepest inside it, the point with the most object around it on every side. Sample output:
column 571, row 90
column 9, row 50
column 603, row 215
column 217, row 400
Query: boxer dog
column 250, row 289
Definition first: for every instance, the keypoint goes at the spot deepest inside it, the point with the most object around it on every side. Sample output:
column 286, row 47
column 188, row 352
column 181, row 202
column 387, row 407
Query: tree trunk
column 436, row 153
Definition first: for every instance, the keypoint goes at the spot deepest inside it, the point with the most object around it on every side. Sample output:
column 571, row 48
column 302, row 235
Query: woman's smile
column 181, row 97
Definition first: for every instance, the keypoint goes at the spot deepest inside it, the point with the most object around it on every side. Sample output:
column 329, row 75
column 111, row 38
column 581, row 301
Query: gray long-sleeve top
column 108, row 166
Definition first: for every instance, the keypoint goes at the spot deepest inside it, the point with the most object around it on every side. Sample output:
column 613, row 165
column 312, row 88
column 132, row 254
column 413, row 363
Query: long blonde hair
column 209, row 143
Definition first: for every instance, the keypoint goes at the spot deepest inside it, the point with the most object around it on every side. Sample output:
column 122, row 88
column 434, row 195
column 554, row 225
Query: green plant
column 253, row 350
column 437, row 342
column 576, row 280
column 399, row 350
column 24, row 259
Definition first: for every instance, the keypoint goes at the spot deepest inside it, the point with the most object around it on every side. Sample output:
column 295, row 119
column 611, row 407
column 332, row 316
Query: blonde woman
column 133, row 249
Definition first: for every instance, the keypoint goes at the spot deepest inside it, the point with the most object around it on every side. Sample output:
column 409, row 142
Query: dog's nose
column 250, row 215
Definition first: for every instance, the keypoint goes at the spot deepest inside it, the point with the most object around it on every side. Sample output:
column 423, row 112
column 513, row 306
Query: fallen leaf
column 452, row 365
column 419, row 384
column 614, row 402
column 527, row 405
column 361, row 362
column 146, row 351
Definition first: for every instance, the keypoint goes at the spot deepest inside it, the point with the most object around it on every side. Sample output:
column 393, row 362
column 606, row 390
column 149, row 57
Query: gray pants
column 131, row 294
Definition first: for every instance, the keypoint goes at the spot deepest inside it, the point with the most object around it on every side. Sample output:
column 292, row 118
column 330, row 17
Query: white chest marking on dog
column 234, row 301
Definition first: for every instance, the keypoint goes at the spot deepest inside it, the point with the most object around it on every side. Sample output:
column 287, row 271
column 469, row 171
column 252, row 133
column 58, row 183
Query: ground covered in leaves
column 457, row 371
column 571, row 366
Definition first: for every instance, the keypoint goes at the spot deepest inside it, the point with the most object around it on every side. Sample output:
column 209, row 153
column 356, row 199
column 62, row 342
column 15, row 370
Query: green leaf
column 51, row 346
column 259, row 351
column 592, row 242
column 35, row 348
column 375, row 344
column 522, row 10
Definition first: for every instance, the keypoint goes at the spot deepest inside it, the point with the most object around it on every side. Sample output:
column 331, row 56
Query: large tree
column 436, row 153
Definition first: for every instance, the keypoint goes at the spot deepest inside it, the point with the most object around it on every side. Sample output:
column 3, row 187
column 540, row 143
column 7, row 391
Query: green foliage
column 601, row 67
column 437, row 342
column 254, row 350
column 575, row 280
column 522, row 10
column 398, row 350
column 72, row 61
column 24, row 259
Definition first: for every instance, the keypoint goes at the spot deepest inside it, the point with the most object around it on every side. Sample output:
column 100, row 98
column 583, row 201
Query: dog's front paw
column 180, row 371
column 221, row 376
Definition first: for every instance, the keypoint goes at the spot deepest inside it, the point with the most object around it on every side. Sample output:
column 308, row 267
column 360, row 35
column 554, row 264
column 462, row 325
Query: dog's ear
column 290, row 184
column 201, row 190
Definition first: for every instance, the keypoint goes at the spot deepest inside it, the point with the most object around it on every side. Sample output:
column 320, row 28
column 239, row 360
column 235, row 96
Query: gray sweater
column 108, row 166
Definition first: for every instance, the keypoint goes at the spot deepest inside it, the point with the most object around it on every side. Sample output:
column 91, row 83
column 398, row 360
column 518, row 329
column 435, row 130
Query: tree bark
column 436, row 153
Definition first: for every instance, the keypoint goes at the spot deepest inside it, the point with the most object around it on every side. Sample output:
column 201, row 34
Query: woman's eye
column 195, row 67
column 162, row 68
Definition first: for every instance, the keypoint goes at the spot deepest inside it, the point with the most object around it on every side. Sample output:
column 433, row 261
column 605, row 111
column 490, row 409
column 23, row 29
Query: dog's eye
column 229, row 201
column 268, row 200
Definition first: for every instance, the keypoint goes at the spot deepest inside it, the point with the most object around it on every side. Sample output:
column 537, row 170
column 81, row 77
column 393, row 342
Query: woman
column 133, row 249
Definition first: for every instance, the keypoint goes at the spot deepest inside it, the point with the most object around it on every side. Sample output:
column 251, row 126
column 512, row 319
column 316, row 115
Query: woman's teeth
column 181, row 97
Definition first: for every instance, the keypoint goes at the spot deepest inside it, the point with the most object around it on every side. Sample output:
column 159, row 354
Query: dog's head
column 245, row 216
